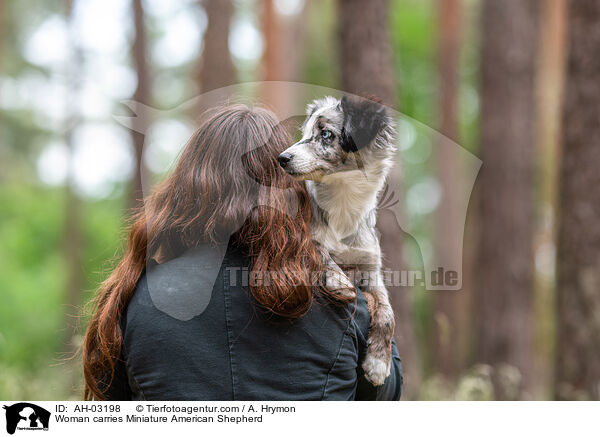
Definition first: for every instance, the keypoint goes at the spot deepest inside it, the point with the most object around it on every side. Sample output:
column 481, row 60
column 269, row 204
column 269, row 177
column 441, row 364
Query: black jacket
column 192, row 331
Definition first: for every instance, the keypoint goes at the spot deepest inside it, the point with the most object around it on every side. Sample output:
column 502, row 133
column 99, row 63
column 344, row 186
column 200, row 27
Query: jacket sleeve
column 391, row 389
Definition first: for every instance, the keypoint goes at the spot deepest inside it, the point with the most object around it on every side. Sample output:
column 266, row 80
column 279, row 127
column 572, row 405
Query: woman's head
column 227, row 164
column 227, row 183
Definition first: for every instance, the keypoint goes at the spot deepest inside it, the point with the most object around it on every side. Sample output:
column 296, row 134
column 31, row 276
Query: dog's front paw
column 376, row 369
column 339, row 283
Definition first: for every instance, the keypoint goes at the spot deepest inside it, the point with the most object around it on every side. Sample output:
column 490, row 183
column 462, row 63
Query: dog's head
column 338, row 136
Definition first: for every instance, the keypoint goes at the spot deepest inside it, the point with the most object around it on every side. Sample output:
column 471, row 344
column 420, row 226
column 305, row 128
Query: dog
column 344, row 156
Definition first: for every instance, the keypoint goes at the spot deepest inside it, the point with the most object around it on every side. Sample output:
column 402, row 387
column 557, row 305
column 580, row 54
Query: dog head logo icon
column 26, row 416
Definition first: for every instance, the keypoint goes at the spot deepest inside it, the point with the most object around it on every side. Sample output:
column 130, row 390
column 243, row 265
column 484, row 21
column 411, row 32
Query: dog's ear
column 363, row 119
column 311, row 108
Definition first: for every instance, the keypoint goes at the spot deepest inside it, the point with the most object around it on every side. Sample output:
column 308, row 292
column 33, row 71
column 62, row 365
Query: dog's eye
column 327, row 135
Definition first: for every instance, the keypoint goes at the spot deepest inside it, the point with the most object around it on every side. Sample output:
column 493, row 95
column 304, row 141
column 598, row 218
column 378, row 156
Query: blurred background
column 514, row 82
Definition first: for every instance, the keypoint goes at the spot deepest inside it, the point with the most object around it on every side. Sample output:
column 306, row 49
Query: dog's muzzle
column 283, row 159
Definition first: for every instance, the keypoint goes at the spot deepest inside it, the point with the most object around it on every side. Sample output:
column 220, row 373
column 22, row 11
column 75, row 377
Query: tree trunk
column 272, row 56
column 284, row 38
column 366, row 66
column 73, row 254
column 578, row 300
column 446, row 350
column 548, row 132
column 142, row 95
column 72, row 233
column 366, row 55
column 505, row 284
column 217, row 68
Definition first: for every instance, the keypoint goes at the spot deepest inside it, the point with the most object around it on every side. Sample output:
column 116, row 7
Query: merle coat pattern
column 345, row 154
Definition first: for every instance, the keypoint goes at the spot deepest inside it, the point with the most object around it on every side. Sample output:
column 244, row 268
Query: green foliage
column 479, row 383
column 47, row 382
column 321, row 56
column 412, row 25
column 33, row 274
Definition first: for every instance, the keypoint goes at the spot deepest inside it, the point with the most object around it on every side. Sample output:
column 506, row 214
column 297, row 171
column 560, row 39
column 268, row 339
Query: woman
column 215, row 297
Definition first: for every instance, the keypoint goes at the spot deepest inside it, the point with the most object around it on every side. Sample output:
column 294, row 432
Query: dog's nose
column 283, row 159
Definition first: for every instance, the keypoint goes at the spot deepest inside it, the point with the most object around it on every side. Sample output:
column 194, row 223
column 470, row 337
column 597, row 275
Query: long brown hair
column 226, row 182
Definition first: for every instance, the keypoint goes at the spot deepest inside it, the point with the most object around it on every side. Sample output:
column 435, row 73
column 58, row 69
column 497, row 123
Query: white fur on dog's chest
column 347, row 199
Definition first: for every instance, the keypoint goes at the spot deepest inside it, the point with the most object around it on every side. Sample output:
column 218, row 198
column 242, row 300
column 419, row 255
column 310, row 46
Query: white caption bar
column 296, row 418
